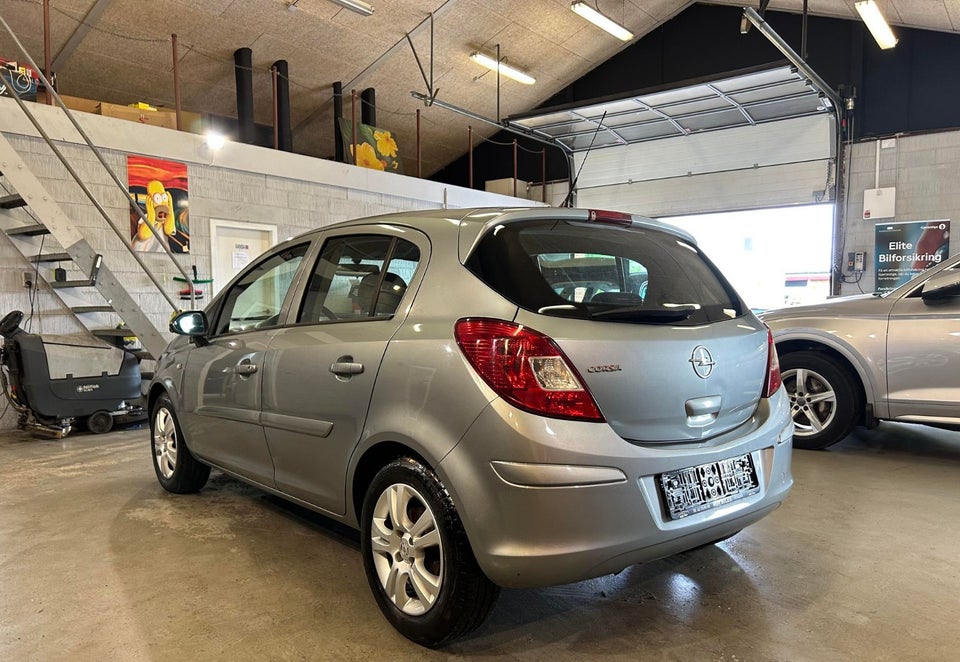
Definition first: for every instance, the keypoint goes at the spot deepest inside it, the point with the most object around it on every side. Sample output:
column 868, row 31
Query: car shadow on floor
column 910, row 439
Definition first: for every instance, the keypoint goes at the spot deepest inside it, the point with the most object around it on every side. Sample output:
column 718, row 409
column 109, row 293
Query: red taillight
column 773, row 381
column 526, row 368
column 611, row 217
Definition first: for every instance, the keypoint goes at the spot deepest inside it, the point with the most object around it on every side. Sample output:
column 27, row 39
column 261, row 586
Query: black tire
column 829, row 418
column 462, row 596
column 176, row 468
column 100, row 422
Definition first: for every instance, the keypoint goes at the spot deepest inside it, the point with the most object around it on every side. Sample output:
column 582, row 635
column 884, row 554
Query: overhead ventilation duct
column 368, row 106
column 243, row 66
column 284, row 132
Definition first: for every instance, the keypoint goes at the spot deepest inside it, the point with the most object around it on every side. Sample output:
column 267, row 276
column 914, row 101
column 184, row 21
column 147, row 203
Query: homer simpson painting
column 160, row 189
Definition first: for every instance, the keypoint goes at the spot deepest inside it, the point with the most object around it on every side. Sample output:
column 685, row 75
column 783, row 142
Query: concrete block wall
column 239, row 183
column 924, row 169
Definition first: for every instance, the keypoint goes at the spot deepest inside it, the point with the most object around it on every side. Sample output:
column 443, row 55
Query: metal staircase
column 28, row 211
column 48, row 218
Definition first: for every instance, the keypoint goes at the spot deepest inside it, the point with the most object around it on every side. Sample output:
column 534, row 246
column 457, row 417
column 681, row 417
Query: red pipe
column 276, row 120
column 46, row 49
column 514, row 167
column 353, row 125
column 419, row 161
column 543, row 175
column 176, row 82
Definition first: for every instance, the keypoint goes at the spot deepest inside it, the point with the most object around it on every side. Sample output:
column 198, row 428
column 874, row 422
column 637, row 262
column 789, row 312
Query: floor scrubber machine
column 55, row 385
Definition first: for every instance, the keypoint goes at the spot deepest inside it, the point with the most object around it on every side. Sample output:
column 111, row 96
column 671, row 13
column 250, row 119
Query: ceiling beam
column 78, row 35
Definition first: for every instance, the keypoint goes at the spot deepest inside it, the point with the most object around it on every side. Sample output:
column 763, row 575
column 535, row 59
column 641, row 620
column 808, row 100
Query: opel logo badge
column 702, row 361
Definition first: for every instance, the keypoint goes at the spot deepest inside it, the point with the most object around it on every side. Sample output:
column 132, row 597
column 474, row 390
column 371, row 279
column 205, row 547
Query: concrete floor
column 97, row 562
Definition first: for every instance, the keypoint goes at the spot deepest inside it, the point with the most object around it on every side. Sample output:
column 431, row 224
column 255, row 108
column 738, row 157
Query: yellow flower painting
column 367, row 157
column 386, row 145
column 376, row 147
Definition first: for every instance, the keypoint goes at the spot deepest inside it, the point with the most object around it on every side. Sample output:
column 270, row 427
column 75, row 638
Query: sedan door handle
column 346, row 368
column 245, row 369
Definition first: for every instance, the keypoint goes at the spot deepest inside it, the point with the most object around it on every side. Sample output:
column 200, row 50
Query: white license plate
column 695, row 489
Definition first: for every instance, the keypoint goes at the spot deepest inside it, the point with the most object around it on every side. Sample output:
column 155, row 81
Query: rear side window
column 603, row 272
column 359, row 277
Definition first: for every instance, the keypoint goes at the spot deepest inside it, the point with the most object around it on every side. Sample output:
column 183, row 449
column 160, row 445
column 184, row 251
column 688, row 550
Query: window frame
column 288, row 298
column 394, row 233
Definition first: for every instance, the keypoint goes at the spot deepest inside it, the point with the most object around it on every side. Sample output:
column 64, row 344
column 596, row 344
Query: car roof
column 470, row 222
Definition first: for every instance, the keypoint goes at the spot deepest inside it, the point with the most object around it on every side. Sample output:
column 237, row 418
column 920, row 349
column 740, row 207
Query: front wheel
column 824, row 401
column 177, row 470
column 417, row 557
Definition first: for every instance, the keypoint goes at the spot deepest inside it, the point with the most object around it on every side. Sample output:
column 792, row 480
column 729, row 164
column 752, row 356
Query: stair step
column 12, row 201
column 142, row 354
column 92, row 309
column 28, row 230
column 50, row 257
column 63, row 284
column 112, row 333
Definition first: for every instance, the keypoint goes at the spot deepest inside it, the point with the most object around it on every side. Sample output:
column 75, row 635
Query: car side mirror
column 191, row 323
column 943, row 285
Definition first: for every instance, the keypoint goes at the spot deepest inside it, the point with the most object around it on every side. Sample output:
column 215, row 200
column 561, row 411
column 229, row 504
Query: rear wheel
column 177, row 470
column 824, row 400
column 417, row 557
column 100, row 422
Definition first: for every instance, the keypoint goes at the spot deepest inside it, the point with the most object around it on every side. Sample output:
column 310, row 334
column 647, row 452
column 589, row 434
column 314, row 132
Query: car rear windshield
column 603, row 272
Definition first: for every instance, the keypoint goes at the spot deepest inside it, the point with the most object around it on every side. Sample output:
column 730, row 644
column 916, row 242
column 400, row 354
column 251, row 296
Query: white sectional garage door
column 764, row 138
column 765, row 165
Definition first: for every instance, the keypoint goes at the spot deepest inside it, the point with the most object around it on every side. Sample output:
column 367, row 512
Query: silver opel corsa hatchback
column 493, row 397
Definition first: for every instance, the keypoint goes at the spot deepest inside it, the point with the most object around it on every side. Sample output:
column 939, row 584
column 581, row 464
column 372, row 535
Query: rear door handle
column 346, row 368
column 245, row 369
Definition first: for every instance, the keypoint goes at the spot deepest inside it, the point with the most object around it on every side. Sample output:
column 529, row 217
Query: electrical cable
column 32, row 296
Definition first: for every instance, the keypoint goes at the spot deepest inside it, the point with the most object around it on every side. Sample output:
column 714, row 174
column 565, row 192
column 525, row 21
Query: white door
column 234, row 245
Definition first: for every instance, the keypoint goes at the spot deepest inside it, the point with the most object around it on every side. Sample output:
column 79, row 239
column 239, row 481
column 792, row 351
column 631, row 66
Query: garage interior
column 98, row 562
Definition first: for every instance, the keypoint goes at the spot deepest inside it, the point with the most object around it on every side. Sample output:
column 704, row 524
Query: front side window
column 359, row 277
column 254, row 302
column 603, row 272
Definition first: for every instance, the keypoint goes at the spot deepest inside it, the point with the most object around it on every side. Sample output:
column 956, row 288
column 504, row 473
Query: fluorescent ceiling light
column 877, row 25
column 505, row 69
column 355, row 5
column 601, row 21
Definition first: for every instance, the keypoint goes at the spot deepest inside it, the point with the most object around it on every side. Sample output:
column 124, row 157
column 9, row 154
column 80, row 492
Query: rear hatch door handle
column 702, row 411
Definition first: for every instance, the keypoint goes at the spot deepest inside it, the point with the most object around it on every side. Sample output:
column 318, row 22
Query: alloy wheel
column 813, row 402
column 165, row 442
column 407, row 549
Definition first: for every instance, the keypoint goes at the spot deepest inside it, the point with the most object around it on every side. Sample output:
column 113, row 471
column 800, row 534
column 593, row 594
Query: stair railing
column 113, row 175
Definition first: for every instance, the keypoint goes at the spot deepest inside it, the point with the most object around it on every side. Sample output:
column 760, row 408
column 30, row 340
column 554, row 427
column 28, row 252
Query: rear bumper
column 548, row 502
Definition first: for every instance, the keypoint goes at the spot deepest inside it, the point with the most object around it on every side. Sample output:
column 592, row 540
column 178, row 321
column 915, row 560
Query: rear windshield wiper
column 640, row 314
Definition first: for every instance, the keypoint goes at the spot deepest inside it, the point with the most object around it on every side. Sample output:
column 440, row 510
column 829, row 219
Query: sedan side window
column 359, row 277
column 255, row 300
